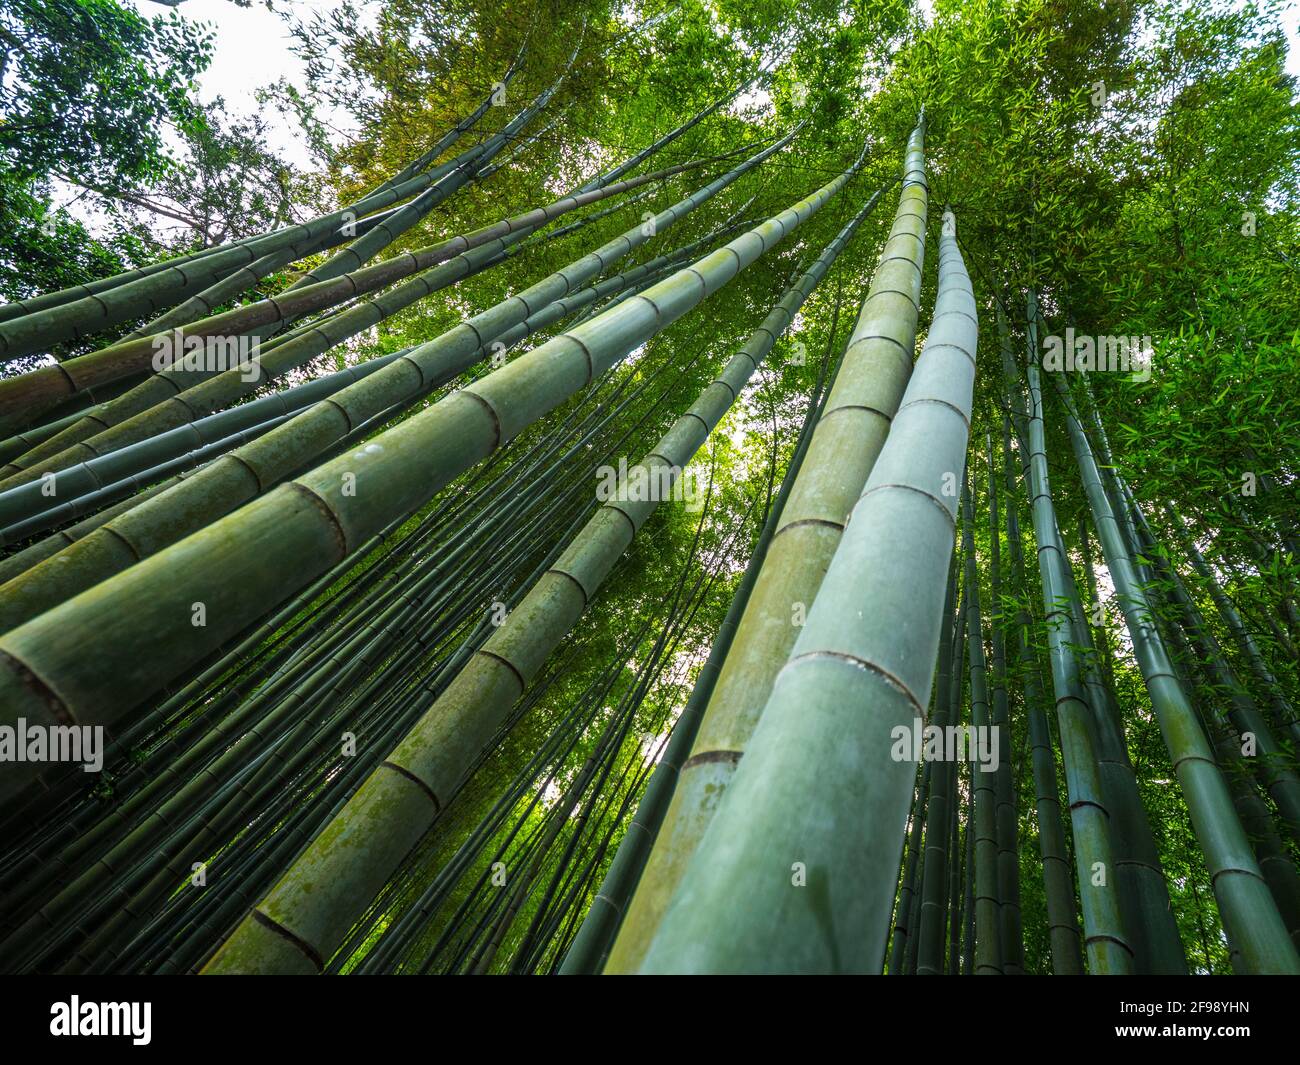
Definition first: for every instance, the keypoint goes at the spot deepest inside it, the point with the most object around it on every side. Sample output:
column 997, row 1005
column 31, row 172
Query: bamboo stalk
column 238, row 567
column 1010, row 936
column 903, row 941
column 988, row 954
column 297, row 927
column 591, row 946
column 319, row 290
column 797, row 870
column 845, row 444
column 1106, row 939
column 930, row 927
column 1058, row 881
column 242, row 476
column 1250, row 916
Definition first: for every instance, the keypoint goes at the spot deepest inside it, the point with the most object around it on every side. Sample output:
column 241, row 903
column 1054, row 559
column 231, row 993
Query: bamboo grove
column 688, row 488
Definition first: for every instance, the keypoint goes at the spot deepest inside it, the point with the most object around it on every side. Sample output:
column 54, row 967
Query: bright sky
column 251, row 49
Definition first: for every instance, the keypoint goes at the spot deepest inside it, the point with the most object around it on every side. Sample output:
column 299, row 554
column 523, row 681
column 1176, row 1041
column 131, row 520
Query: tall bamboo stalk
column 263, row 318
column 243, row 476
column 1250, row 916
column 988, row 922
column 1106, row 940
column 1195, row 649
column 797, row 870
column 71, row 663
column 1008, row 823
column 302, row 921
column 844, row 447
column 930, row 926
column 591, row 946
column 903, row 941
column 1284, row 711
column 1058, row 881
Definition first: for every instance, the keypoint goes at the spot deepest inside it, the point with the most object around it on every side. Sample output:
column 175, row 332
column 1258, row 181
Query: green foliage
column 89, row 86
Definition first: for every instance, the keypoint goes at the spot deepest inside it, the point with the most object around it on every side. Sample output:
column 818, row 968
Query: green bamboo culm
column 29, row 499
column 797, row 871
column 930, row 924
column 1151, row 930
column 1283, row 710
column 264, row 318
column 844, row 447
column 902, row 943
column 238, row 478
column 147, row 293
column 258, row 257
column 302, row 921
column 1279, row 871
column 74, row 663
column 1252, row 923
column 183, row 410
column 1106, row 939
column 956, row 853
column 591, row 946
column 413, row 170
column 988, row 902
column 1010, row 936
column 1058, row 882
column 1273, row 763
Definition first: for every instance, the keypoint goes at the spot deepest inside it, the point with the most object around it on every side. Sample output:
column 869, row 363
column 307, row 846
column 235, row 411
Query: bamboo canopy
column 845, row 442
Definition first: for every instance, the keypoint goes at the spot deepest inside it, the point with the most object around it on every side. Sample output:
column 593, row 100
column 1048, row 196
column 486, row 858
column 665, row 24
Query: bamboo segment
column 75, row 662
column 844, row 447
column 407, row 174
column 240, row 477
column 304, row 918
column 1010, row 938
column 1106, row 940
column 797, row 870
column 53, row 584
column 1146, row 913
column 930, row 926
column 264, row 317
column 1250, row 917
column 988, row 947
column 150, row 293
column 1278, row 869
column 1058, row 882
column 1284, row 711
column 33, row 498
column 591, row 946
column 902, row 944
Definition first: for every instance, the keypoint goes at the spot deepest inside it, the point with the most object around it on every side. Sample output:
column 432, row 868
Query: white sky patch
column 755, row 99
column 251, row 50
